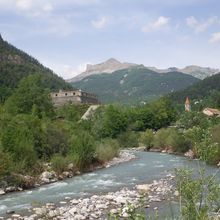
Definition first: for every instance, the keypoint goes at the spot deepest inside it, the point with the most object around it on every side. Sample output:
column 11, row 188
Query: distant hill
column 196, row 71
column 134, row 85
column 16, row 64
column 199, row 90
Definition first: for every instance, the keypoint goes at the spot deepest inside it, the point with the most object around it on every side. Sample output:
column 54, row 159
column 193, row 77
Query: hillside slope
column 134, row 85
column 16, row 64
column 199, row 90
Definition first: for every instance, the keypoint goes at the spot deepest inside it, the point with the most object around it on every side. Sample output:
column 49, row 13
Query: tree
column 30, row 96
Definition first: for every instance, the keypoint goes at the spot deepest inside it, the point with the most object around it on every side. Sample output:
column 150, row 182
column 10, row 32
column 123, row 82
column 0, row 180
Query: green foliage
column 190, row 119
column 114, row 122
column 198, row 196
column 178, row 142
column 5, row 164
column 199, row 90
column 56, row 140
column 147, row 138
column 128, row 139
column 30, row 97
column 71, row 112
column 139, row 85
column 161, row 138
column 59, row 163
column 82, row 149
column 18, row 141
column 106, row 149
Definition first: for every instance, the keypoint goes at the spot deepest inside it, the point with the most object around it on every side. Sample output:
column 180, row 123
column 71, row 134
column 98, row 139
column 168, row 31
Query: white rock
column 2, row 192
column 145, row 188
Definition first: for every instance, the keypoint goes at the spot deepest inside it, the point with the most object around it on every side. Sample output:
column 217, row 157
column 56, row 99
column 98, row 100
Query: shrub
column 106, row 150
column 82, row 149
column 178, row 142
column 128, row 139
column 147, row 138
column 160, row 138
column 5, row 164
column 198, row 196
column 59, row 163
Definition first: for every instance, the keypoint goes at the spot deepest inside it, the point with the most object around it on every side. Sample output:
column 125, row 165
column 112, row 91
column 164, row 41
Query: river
column 147, row 167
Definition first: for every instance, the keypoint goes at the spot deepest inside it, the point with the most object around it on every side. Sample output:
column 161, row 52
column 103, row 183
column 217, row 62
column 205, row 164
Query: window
column 65, row 94
column 55, row 94
column 74, row 93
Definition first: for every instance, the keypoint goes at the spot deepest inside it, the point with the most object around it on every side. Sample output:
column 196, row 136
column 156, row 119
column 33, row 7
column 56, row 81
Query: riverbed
column 147, row 167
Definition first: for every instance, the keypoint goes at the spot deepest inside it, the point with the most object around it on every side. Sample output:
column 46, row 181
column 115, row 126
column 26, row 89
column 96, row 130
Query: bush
column 199, row 197
column 147, row 138
column 5, row 164
column 106, row 150
column 128, row 139
column 161, row 137
column 178, row 142
column 59, row 163
column 83, row 149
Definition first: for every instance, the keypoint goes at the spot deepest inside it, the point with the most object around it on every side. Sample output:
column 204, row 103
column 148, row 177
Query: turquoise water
column 147, row 167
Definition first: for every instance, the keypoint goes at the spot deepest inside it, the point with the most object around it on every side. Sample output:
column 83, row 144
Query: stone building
column 74, row 96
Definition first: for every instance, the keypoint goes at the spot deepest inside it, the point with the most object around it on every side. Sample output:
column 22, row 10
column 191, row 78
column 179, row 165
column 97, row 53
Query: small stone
column 9, row 212
column 176, row 193
column 15, row 216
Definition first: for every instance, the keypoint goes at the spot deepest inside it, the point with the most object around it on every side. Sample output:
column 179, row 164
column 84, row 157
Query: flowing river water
column 147, row 167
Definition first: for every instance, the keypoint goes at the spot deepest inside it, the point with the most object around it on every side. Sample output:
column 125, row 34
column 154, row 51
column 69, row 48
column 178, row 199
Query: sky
column 65, row 35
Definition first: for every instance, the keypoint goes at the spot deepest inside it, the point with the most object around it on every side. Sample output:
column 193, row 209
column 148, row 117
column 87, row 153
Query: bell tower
column 187, row 105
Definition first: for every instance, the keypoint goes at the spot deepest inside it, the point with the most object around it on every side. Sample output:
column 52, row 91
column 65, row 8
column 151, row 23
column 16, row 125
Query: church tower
column 187, row 105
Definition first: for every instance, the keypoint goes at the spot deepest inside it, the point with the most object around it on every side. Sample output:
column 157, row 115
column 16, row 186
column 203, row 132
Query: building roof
column 211, row 112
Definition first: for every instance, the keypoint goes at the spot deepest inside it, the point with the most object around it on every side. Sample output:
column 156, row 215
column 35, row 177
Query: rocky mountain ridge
column 109, row 66
column 112, row 65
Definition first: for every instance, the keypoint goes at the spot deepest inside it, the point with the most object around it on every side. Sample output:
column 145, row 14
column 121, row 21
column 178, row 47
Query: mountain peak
column 112, row 60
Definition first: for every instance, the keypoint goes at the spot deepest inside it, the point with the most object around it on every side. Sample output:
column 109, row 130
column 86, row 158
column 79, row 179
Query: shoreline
column 147, row 195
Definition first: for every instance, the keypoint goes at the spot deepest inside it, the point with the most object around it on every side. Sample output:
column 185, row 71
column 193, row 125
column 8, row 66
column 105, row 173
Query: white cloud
column 28, row 7
column 160, row 24
column 101, row 23
column 215, row 38
column 67, row 71
column 200, row 26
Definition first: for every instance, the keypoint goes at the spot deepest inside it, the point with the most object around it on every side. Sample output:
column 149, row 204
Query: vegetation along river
column 146, row 168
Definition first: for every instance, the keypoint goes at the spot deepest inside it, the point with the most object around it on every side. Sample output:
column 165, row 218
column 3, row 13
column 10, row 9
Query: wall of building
column 76, row 96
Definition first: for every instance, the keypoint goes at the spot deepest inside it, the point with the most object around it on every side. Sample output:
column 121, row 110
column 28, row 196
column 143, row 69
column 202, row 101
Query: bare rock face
column 109, row 66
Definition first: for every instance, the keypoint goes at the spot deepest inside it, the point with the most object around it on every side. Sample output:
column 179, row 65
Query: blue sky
column 65, row 35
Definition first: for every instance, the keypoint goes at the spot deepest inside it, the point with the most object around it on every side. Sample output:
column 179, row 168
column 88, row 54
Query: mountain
column 109, row 66
column 198, row 90
column 113, row 65
column 134, row 85
column 16, row 64
column 196, row 71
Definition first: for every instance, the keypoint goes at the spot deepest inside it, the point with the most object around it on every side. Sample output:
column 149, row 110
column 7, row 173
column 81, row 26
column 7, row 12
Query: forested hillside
column 16, row 64
column 134, row 85
column 206, row 89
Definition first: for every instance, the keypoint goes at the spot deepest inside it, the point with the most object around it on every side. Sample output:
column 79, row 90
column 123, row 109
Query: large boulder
column 47, row 177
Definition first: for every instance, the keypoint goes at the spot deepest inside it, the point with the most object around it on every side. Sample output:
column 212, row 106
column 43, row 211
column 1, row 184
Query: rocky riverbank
column 146, row 196
column 49, row 176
